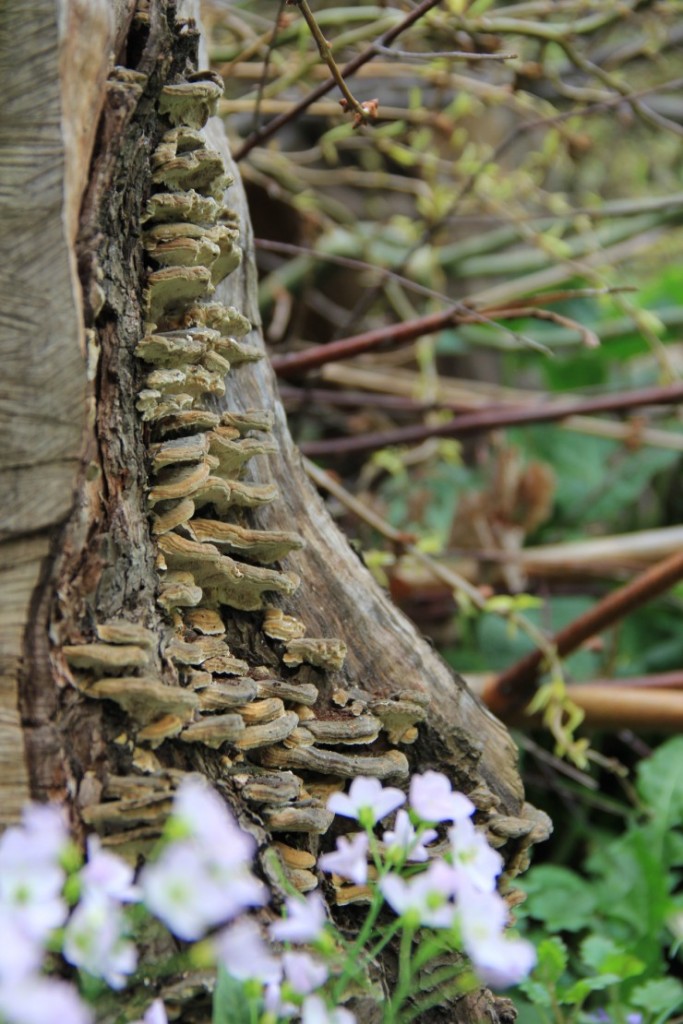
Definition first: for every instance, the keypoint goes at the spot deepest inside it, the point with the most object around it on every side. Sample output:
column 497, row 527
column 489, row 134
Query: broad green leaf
column 537, row 992
column 663, row 995
column 576, row 994
column 631, row 885
column 606, row 957
column 230, row 1002
column 559, row 897
column 552, row 959
column 660, row 782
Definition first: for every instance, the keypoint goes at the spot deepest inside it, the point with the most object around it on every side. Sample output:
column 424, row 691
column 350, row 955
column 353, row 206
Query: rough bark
column 77, row 551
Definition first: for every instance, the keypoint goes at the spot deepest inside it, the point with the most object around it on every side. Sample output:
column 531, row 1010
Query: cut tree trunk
column 138, row 647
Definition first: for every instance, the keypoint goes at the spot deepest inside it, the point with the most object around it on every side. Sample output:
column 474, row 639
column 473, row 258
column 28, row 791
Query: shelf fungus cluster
column 282, row 746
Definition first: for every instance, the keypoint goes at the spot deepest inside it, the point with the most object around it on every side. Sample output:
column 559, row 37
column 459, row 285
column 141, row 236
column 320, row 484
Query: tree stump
column 174, row 596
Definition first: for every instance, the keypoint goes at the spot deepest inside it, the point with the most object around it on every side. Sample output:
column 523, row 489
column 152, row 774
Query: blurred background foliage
column 523, row 174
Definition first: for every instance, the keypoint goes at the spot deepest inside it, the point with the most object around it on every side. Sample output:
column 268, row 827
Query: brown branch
column 493, row 419
column 513, row 689
column 256, row 138
column 614, row 706
column 656, row 681
column 299, row 362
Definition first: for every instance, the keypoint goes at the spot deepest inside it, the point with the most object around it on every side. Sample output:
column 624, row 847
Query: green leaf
column 559, row 897
column 607, row 957
column 664, row 995
column 537, row 992
column 631, row 886
column 576, row 994
column 552, row 959
column 660, row 781
column 230, row 1001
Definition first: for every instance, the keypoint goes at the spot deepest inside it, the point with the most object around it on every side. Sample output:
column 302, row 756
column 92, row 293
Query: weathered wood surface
column 52, row 86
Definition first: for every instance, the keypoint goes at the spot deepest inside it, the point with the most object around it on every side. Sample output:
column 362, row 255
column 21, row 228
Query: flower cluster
column 203, row 875
column 456, row 891
column 203, row 879
column 440, row 884
column 32, row 878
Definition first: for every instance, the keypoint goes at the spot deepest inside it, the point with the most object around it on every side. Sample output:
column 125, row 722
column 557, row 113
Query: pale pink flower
column 191, row 893
column 154, row 1014
column 105, row 874
column 274, row 1003
column 94, row 940
column 481, row 916
column 425, row 898
column 303, row 973
column 502, row 962
column 432, row 797
column 37, row 999
column 404, row 838
column 350, row 859
column 314, row 1011
column 367, row 801
column 31, row 877
column 304, row 921
column 41, row 838
column 210, row 823
column 473, row 857
column 244, row 954
column 20, row 954
column 498, row 961
column 31, row 893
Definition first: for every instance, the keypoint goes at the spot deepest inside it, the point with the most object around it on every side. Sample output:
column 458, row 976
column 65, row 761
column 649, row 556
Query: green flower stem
column 387, row 936
column 432, row 946
column 354, row 956
column 405, row 975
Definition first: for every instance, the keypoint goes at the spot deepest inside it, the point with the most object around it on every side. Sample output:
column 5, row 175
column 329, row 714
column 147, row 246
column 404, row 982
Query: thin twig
column 256, row 120
column 399, row 334
column 256, row 138
column 514, row 688
column 362, row 111
column 495, row 419
column 450, row 54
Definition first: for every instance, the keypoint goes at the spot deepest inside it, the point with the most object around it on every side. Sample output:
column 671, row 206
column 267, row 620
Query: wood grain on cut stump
column 52, row 81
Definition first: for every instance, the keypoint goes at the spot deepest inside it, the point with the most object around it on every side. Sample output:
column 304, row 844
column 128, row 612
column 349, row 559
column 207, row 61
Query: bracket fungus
column 281, row 742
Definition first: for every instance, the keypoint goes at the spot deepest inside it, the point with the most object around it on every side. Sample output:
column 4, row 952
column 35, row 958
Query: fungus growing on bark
column 259, row 545
column 102, row 657
column 214, row 730
column 268, row 733
column 179, row 590
column 205, row 621
column 400, row 715
column 171, row 288
column 182, row 160
column 145, row 698
column 181, row 206
column 120, row 631
column 191, row 103
column 323, row 652
column 348, row 730
column 297, row 693
column 308, row 816
column 390, row 767
column 224, row 580
column 279, row 626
